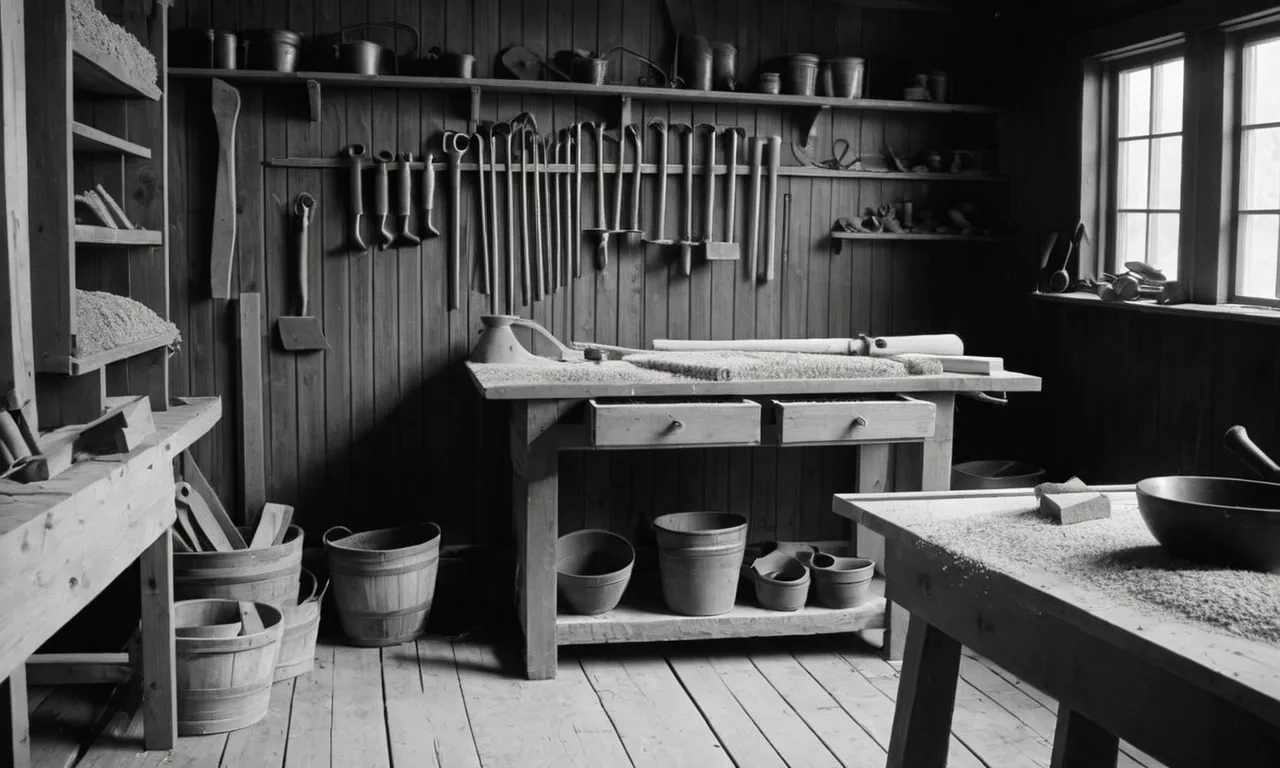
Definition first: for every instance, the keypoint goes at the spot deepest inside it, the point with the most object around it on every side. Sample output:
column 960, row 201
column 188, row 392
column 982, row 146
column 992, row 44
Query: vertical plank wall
column 386, row 426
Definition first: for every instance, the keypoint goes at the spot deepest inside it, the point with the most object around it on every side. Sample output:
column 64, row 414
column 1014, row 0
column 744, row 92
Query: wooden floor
column 804, row 702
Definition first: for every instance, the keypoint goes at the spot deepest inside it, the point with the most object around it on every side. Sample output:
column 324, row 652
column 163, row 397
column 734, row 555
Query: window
column 1147, row 164
column 1257, row 219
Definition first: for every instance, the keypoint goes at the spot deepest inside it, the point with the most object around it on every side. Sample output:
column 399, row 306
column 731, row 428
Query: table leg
column 17, row 733
column 926, row 698
column 1081, row 743
column 159, row 686
column 536, row 510
column 873, row 477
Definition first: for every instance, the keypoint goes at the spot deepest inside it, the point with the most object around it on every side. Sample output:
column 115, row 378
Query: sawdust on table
column 725, row 365
column 605, row 372
column 92, row 28
column 1119, row 557
column 107, row 321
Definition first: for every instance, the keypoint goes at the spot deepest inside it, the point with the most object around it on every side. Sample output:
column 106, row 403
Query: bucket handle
column 315, row 584
column 325, row 537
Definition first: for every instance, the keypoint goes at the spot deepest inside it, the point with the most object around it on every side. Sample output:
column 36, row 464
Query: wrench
column 455, row 146
column 404, row 197
column 486, row 267
column 660, row 125
column 381, row 193
column 355, row 160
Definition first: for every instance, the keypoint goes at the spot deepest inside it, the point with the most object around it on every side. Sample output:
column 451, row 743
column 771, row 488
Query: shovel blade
column 301, row 334
column 722, row 251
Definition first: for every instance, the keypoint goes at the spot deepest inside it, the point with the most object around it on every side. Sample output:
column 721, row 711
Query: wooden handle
column 381, row 182
column 662, row 179
column 602, row 222
column 756, row 150
column 687, row 234
column 930, row 344
column 771, row 225
column 711, row 183
column 731, row 179
column 618, row 175
column 812, row 346
column 1238, row 442
column 226, row 113
column 429, row 183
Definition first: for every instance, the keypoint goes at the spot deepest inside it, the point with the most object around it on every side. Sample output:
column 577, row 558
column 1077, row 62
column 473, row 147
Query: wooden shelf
column 95, row 72
column 642, row 618
column 839, row 236
column 89, row 234
column 554, row 88
column 77, row 366
column 89, row 140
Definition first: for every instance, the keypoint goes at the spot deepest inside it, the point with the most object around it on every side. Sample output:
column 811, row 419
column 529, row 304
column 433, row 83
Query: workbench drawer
column 852, row 419
column 656, row 423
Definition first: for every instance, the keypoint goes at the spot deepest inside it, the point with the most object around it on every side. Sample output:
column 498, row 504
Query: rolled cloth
column 733, row 366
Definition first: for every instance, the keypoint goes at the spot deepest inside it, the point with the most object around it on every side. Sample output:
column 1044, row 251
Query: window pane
column 1166, row 172
column 1260, row 169
column 1162, row 252
column 1168, row 101
column 1133, row 174
column 1135, row 102
column 1256, row 265
column 1131, row 237
column 1261, row 97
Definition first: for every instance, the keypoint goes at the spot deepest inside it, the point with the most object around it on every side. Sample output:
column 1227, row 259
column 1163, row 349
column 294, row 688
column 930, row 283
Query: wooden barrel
column 301, row 624
column 384, row 581
column 224, row 683
column 263, row 575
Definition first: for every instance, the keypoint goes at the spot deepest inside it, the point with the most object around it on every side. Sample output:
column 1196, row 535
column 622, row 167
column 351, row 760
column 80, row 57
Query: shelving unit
column 122, row 123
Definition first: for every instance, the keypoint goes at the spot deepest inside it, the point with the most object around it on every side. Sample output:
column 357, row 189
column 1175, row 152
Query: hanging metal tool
column 619, row 175
column 713, row 249
column 601, row 230
column 381, row 195
column 495, row 259
column 771, row 224
column 731, row 174
column 577, row 200
column 539, row 266
column 455, row 146
column 429, row 194
column 486, row 267
column 557, row 238
column 526, row 271
column 548, row 266
column 506, row 129
column 564, row 155
column 404, row 197
column 301, row 332
column 660, row 126
column 686, row 237
column 634, row 232
column 355, row 194
column 755, row 148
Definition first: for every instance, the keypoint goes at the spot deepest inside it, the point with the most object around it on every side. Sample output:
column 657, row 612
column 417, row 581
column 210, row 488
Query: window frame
column 1110, row 156
column 1233, row 50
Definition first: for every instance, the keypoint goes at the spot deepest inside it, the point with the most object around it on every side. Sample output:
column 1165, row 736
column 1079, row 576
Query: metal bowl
column 1213, row 520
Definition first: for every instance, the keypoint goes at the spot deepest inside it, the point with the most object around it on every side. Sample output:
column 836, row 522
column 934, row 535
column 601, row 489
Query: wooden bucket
column 263, row 575
column 384, row 581
column 224, row 683
column 301, row 624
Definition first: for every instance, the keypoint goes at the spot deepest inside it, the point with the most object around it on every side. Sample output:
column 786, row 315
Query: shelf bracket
column 313, row 99
column 807, row 116
column 473, row 116
column 837, row 244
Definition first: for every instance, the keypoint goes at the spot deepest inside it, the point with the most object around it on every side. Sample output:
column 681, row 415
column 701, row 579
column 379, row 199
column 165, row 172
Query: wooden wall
column 386, row 425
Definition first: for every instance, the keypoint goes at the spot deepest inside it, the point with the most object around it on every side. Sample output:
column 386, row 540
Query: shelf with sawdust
column 78, row 366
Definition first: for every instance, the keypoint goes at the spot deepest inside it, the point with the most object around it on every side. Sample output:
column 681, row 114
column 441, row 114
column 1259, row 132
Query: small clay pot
column 841, row 582
column 769, row 82
column 782, row 582
column 593, row 568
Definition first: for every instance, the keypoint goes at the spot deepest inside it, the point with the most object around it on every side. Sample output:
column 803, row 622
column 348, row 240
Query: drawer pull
column 858, row 421
column 676, row 426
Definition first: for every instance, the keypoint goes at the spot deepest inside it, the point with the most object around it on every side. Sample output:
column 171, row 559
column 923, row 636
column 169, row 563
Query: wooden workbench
column 1182, row 692
column 64, row 540
column 549, row 415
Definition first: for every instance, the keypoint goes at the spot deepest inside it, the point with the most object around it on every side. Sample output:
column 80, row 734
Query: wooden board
column 253, row 467
column 89, row 234
column 312, row 717
column 359, row 729
column 426, row 716
column 89, row 140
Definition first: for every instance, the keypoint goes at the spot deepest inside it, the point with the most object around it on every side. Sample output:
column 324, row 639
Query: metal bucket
column 224, row 47
column 699, row 558
column 591, row 71
column 274, row 50
column 800, row 78
column 363, row 57
column 384, row 581
column 843, row 77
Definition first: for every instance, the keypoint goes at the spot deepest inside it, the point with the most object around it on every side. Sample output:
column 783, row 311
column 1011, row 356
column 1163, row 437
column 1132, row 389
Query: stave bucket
column 223, row 683
column 699, row 558
column 301, row 625
column 384, row 581
column 262, row 575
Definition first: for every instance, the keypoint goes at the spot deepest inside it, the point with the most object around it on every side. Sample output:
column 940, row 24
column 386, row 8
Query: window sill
column 1242, row 312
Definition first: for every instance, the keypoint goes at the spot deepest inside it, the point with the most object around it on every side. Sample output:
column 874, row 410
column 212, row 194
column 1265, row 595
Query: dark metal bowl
column 1213, row 520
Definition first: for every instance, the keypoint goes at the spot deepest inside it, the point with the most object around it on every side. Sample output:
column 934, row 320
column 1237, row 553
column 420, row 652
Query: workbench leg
column 159, row 685
column 873, row 477
column 536, row 508
column 17, row 732
column 1081, row 743
column 926, row 698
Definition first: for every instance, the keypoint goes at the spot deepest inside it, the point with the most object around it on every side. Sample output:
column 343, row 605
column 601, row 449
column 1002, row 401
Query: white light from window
column 1258, row 219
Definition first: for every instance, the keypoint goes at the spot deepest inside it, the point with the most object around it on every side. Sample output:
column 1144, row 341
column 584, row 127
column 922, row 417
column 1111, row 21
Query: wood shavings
column 92, row 28
column 608, row 372
column 117, row 213
column 107, row 321
column 93, row 204
column 759, row 366
column 1118, row 557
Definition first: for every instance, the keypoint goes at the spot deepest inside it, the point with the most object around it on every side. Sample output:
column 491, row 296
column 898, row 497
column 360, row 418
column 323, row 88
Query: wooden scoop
column 1238, row 442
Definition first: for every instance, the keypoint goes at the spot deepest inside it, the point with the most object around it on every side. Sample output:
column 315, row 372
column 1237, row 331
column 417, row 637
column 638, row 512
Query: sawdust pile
column 91, row 28
column 107, row 321
column 1118, row 557
column 607, row 372
column 756, row 366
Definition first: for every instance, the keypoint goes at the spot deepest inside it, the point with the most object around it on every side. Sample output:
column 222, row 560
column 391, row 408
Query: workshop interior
column 665, row 383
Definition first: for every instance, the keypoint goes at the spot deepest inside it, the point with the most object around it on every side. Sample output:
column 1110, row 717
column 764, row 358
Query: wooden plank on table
column 543, row 722
column 359, row 728
column 262, row 745
column 312, row 719
column 722, row 710
column 782, row 726
column 658, row 723
column 426, row 716
column 839, row 732
column 253, row 466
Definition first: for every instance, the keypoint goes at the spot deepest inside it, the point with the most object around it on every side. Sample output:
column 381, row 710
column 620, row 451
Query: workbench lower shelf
column 643, row 618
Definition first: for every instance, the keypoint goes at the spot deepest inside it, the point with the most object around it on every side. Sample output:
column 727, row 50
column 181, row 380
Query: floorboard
column 312, row 716
column 722, row 711
column 263, row 745
column 426, row 715
column 359, row 724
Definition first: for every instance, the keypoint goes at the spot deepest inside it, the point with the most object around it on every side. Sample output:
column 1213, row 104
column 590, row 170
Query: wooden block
column 969, row 364
column 249, row 616
column 1069, row 508
column 218, row 529
column 1074, row 485
column 272, row 525
column 120, row 429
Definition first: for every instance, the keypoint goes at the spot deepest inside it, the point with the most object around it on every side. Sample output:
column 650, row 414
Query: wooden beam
column 17, row 354
column 159, row 681
column 253, row 468
column 15, row 728
column 921, row 731
column 78, row 668
column 1078, row 742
